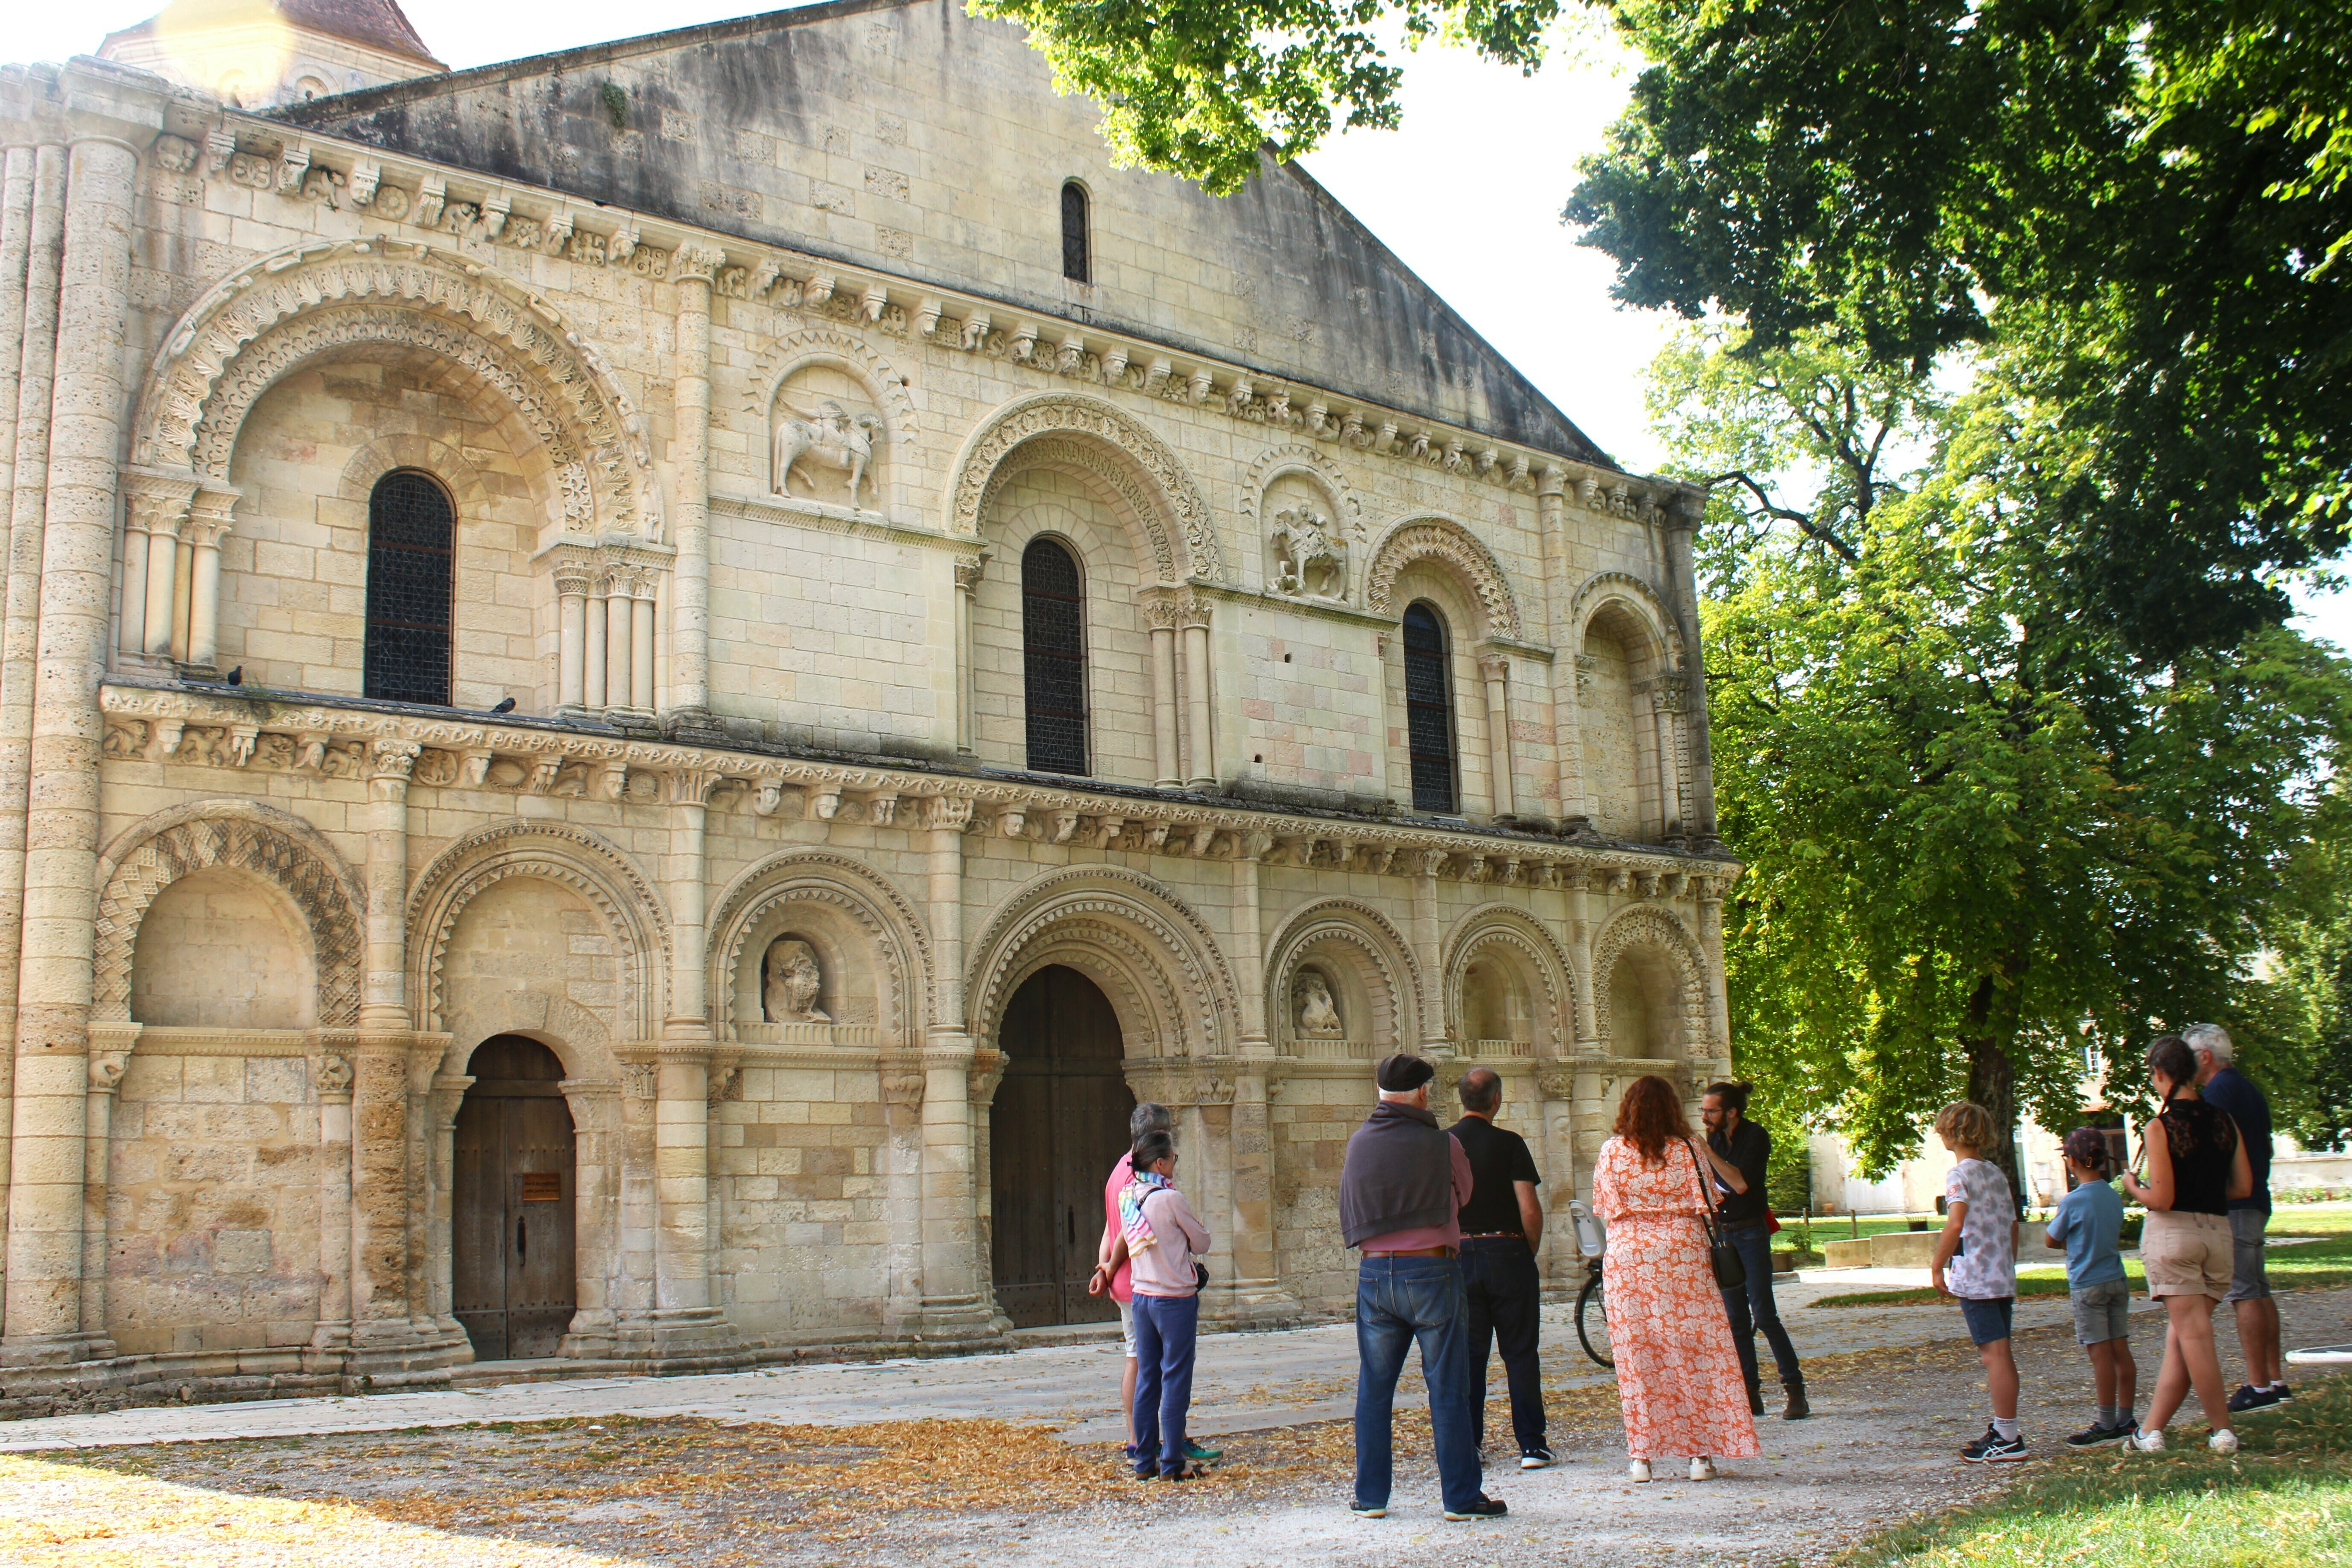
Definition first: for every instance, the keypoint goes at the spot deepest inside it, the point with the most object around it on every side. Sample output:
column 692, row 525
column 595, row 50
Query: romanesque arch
column 1178, row 534
column 1150, row 954
column 580, row 1041
column 1637, row 601
column 1453, row 549
column 260, row 841
column 260, row 323
column 894, row 946
column 1296, row 462
column 1651, row 931
column 1370, row 967
column 846, row 351
column 1523, row 953
column 574, row 858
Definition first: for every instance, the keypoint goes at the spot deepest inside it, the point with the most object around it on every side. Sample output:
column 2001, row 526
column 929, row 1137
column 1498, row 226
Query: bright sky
column 1468, row 192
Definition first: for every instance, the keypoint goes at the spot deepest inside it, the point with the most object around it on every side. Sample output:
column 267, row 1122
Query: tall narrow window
column 411, row 531
column 1054, row 658
column 1428, row 709
column 1078, row 253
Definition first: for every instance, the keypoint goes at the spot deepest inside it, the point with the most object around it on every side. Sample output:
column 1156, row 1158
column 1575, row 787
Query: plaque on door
column 542, row 1187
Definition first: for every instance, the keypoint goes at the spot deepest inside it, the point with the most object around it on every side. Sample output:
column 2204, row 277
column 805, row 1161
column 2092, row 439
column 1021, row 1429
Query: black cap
column 1402, row 1073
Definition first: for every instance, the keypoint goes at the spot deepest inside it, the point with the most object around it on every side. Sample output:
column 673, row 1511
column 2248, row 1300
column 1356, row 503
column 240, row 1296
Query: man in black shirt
column 1741, row 1151
column 1501, row 1225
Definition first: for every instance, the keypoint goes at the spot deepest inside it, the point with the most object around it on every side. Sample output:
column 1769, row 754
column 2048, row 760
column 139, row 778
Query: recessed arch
column 574, row 858
column 1455, row 550
column 1507, row 936
column 260, row 841
column 1149, row 952
column 1095, row 438
column 1638, row 602
column 1651, row 931
column 1355, row 939
column 313, row 301
column 896, row 943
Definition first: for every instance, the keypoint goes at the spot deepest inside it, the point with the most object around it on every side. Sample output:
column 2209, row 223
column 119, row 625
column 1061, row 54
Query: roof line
column 388, row 93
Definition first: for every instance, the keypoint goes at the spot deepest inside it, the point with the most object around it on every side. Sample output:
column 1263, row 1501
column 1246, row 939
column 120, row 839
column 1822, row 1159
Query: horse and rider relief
column 827, row 444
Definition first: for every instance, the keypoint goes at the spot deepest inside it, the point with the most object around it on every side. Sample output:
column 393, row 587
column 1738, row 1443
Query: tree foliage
column 1985, row 842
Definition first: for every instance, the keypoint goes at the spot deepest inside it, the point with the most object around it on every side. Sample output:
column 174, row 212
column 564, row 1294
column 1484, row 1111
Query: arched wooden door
column 515, row 1273
column 1058, row 1126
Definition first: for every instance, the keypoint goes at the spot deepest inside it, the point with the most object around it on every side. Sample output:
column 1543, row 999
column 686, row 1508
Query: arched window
column 1429, row 708
column 1054, row 658
column 412, row 529
column 1078, row 251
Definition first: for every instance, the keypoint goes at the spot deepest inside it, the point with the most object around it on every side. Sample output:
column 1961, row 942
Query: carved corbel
column 1061, row 825
column 432, row 196
column 1252, row 844
column 1024, row 342
column 1204, row 842
column 946, row 812
column 1620, row 878
column 768, row 797
column 495, row 209
column 367, row 174
column 334, row 1075
column 1070, row 355
column 293, row 162
column 477, row 760
column 1105, row 831
column 1155, row 838
column 1114, row 365
column 106, row 1070
column 927, row 316
column 825, row 802
column 975, row 332
column 1377, row 857
column 612, row 780
column 817, row 291
column 1203, row 383
column 1648, row 881
column 904, row 1087
column 624, row 244
column 1011, row 821
column 876, row 300
column 544, row 772
column 555, row 234
column 1155, row 376
column 882, row 807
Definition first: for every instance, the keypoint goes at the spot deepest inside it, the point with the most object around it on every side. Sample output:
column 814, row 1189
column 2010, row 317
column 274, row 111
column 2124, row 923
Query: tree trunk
column 1992, row 1081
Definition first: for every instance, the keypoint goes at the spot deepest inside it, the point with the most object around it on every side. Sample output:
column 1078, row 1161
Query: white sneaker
column 2223, row 1442
column 1639, row 1469
column 2148, row 1440
column 1702, row 1468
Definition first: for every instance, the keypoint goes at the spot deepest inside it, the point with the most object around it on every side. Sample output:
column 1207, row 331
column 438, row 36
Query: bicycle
column 1592, row 1315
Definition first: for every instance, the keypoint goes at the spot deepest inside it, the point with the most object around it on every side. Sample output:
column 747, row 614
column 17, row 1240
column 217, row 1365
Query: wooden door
column 514, row 1264
column 1058, row 1125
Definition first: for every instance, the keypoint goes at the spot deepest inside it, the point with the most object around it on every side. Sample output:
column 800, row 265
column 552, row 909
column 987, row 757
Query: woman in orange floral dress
column 1677, row 1371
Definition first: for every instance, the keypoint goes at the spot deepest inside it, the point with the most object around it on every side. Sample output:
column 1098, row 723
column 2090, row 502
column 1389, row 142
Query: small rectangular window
column 1077, row 259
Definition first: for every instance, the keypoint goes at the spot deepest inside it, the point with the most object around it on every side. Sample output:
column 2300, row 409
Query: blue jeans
column 1751, row 1308
column 1166, row 1330
column 1504, row 1292
column 1399, row 1301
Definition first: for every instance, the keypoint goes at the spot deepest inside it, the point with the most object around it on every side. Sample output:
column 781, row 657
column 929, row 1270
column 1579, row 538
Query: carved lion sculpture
column 789, row 982
column 1318, row 1014
column 831, row 436
column 1310, row 557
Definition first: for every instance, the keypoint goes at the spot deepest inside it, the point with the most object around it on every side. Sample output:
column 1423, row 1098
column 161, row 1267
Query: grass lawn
column 2285, row 1499
column 2313, row 1266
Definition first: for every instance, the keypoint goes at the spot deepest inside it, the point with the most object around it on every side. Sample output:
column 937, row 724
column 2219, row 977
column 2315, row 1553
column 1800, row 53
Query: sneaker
column 2249, row 1398
column 1200, row 1456
column 1639, row 1471
column 1485, row 1508
column 1369, row 1509
column 2223, row 1442
column 1702, row 1468
column 2148, row 1440
column 2098, row 1436
column 1992, row 1448
column 2285, row 1395
column 1535, row 1459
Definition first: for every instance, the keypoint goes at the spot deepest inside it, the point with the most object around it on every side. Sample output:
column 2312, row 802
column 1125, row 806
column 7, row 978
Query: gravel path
column 955, row 1463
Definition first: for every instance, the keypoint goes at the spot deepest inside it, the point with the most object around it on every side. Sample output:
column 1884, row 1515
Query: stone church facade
column 641, row 690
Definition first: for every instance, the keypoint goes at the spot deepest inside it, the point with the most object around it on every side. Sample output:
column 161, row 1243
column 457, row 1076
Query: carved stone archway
column 1641, row 606
column 1650, row 926
column 899, row 944
column 240, row 835
column 1379, row 953
column 1455, row 548
column 1530, row 949
column 1099, row 439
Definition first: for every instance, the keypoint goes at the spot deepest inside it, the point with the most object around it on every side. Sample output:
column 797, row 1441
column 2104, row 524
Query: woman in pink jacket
column 1163, row 1236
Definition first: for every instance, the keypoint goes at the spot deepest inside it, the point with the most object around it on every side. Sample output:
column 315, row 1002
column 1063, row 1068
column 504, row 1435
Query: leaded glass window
column 1054, row 657
column 1077, row 249
column 1429, row 708
column 412, row 529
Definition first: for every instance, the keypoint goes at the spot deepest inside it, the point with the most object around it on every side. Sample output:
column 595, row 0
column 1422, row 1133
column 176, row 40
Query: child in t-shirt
column 2089, row 1225
column 1976, row 1260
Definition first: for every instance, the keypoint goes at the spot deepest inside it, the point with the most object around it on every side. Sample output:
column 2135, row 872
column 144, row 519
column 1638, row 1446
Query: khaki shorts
column 2186, row 1255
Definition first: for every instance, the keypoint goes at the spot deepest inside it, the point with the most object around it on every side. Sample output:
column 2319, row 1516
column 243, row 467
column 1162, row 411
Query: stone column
column 1682, row 517
column 76, row 583
column 1200, row 737
column 444, row 1099
column 330, row 1336
column 1426, row 953
column 1160, row 616
column 207, row 526
column 384, row 982
column 689, row 671
column 106, row 1069
column 1577, row 886
column 618, row 602
column 682, row 1113
column 641, row 642
column 595, row 668
column 1556, row 1124
column 968, row 572
column 1496, row 671
column 16, row 260
column 1710, row 891
column 957, row 1300
column 162, row 584
column 595, row 1208
column 152, row 503
column 571, row 639
column 1665, row 702
column 1258, row 1296
column 1551, row 520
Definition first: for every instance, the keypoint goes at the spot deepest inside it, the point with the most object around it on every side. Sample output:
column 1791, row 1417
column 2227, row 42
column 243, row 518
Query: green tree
column 2147, row 202
column 1984, row 839
column 2294, row 1028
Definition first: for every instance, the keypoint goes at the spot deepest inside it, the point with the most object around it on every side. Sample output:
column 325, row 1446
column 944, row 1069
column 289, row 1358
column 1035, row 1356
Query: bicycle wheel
column 1592, row 1322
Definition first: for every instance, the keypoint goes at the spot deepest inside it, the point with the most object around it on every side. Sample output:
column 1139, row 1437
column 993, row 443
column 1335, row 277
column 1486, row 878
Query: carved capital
column 334, row 1074
column 1494, row 666
column 1425, row 862
column 106, row 1070
column 392, row 759
column 1161, row 607
column 1194, row 610
column 946, row 812
column 692, row 786
column 970, row 569
column 903, row 1087
column 695, row 264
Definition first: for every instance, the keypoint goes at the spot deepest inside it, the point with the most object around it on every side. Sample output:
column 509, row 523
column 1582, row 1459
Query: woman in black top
column 2195, row 1164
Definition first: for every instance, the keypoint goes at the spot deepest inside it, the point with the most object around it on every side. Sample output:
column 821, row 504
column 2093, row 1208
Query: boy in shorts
column 2089, row 1225
column 1979, row 1249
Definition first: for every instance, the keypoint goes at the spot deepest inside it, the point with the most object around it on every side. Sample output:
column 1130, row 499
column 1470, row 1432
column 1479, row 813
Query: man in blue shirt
column 2232, row 1092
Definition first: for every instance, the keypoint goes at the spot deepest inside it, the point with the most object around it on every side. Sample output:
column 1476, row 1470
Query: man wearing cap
column 2221, row 1086
column 1401, row 1197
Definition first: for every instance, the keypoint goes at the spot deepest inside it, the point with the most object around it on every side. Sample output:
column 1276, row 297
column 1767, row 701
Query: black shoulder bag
column 1730, row 1274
